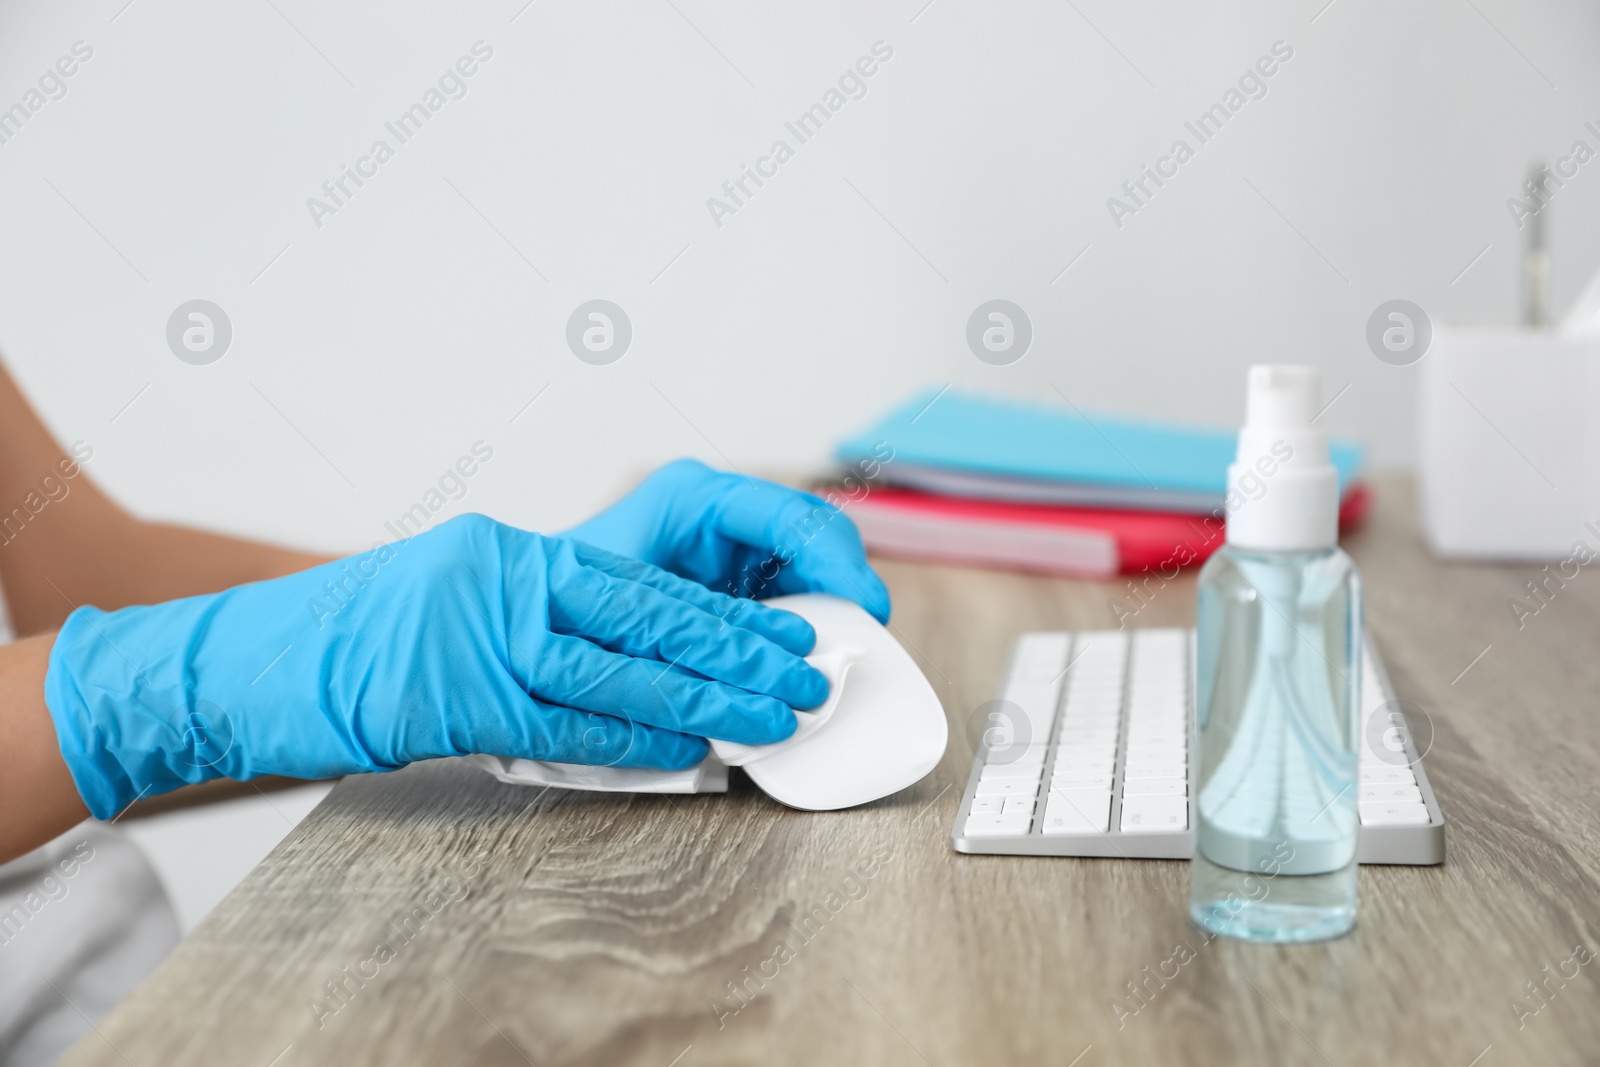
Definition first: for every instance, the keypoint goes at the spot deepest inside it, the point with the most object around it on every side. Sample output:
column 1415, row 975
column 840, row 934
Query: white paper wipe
column 834, row 664
column 707, row 776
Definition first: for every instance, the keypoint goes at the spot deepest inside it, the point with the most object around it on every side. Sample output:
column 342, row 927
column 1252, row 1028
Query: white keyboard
column 1088, row 753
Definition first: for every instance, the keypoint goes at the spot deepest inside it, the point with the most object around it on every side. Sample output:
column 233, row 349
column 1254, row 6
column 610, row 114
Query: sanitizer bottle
column 1278, row 678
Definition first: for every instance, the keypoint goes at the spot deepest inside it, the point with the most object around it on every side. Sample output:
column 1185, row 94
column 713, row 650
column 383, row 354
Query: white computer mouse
column 882, row 728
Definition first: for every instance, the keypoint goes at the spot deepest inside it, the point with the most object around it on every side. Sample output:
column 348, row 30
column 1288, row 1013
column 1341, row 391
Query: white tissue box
column 1508, row 427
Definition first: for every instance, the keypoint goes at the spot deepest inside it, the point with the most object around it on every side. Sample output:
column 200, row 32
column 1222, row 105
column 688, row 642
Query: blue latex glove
column 739, row 535
column 472, row 637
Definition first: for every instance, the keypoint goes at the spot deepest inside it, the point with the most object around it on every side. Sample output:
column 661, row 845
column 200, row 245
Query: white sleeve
column 82, row 920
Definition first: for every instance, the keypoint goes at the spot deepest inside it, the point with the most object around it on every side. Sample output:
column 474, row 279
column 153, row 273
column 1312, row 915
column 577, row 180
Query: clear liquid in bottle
column 1278, row 677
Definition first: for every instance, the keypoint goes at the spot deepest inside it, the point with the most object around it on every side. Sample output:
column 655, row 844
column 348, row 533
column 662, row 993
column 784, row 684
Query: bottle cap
column 1283, row 493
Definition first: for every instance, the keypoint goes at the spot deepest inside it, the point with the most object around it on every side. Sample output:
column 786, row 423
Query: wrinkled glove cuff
column 122, row 737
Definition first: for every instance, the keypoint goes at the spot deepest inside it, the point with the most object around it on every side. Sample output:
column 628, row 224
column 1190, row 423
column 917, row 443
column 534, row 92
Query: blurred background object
column 1510, row 468
column 585, row 158
column 964, row 478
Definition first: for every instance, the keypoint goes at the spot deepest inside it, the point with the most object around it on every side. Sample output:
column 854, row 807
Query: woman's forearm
column 37, row 793
column 111, row 560
column 64, row 543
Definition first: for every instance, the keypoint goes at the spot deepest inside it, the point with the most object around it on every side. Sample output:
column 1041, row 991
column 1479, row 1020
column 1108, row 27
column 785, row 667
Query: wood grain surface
column 548, row 928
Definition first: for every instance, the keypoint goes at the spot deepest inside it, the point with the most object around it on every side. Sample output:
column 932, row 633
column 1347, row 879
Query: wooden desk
column 605, row 930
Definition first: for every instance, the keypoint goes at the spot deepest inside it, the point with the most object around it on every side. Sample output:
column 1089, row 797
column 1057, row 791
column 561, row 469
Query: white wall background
column 978, row 165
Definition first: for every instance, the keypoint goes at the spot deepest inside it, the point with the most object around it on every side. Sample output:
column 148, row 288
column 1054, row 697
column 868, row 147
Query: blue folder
column 966, row 444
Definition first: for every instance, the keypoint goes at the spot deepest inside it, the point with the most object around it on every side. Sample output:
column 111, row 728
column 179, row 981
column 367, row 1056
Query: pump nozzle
column 1283, row 493
column 1281, row 394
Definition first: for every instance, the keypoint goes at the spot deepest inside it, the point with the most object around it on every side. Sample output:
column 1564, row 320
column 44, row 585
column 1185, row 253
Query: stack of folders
column 983, row 481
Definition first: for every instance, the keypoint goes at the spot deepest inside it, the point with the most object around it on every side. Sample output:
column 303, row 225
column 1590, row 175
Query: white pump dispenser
column 1278, row 685
column 1283, row 492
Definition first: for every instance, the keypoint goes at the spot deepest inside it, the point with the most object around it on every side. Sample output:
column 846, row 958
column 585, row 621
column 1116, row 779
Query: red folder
column 1070, row 541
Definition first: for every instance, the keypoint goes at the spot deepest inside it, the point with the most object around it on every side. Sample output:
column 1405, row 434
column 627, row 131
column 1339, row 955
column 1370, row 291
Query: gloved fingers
column 639, row 621
column 566, row 735
column 813, row 546
column 783, row 628
column 592, row 679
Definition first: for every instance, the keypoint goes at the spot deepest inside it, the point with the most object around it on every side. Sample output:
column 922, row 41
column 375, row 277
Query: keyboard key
column 1147, row 739
column 1104, row 743
column 1082, row 679
column 1147, row 769
column 1040, row 657
column 1162, row 708
column 988, row 805
column 1383, row 813
column 1081, row 715
column 1078, row 744
column 1077, row 811
column 1075, row 766
column 1171, row 740
column 1100, row 686
column 1106, row 731
column 1071, row 780
column 1167, row 741
column 1093, row 743
column 1158, row 754
column 1075, row 763
column 998, row 825
column 1087, row 671
column 1108, row 706
column 1390, row 794
column 1163, row 719
column 1157, row 716
column 1016, row 754
column 1156, row 787
column 1389, row 748
column 1072, row 740
column 1387, row 776
column 1008, row 787
column 1090, row 670
column 1071, row 765
column 1097, row 705
column 1034, row 715
column 1157, row 732
column 1154, row 814
column 993, row 772
column 1088, row 674
column 1151, row 734
column 1014, row 804
column 1088, row 749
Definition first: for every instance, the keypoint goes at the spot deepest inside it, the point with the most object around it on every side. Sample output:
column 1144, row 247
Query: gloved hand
column 739, row 535
column 472, row 637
